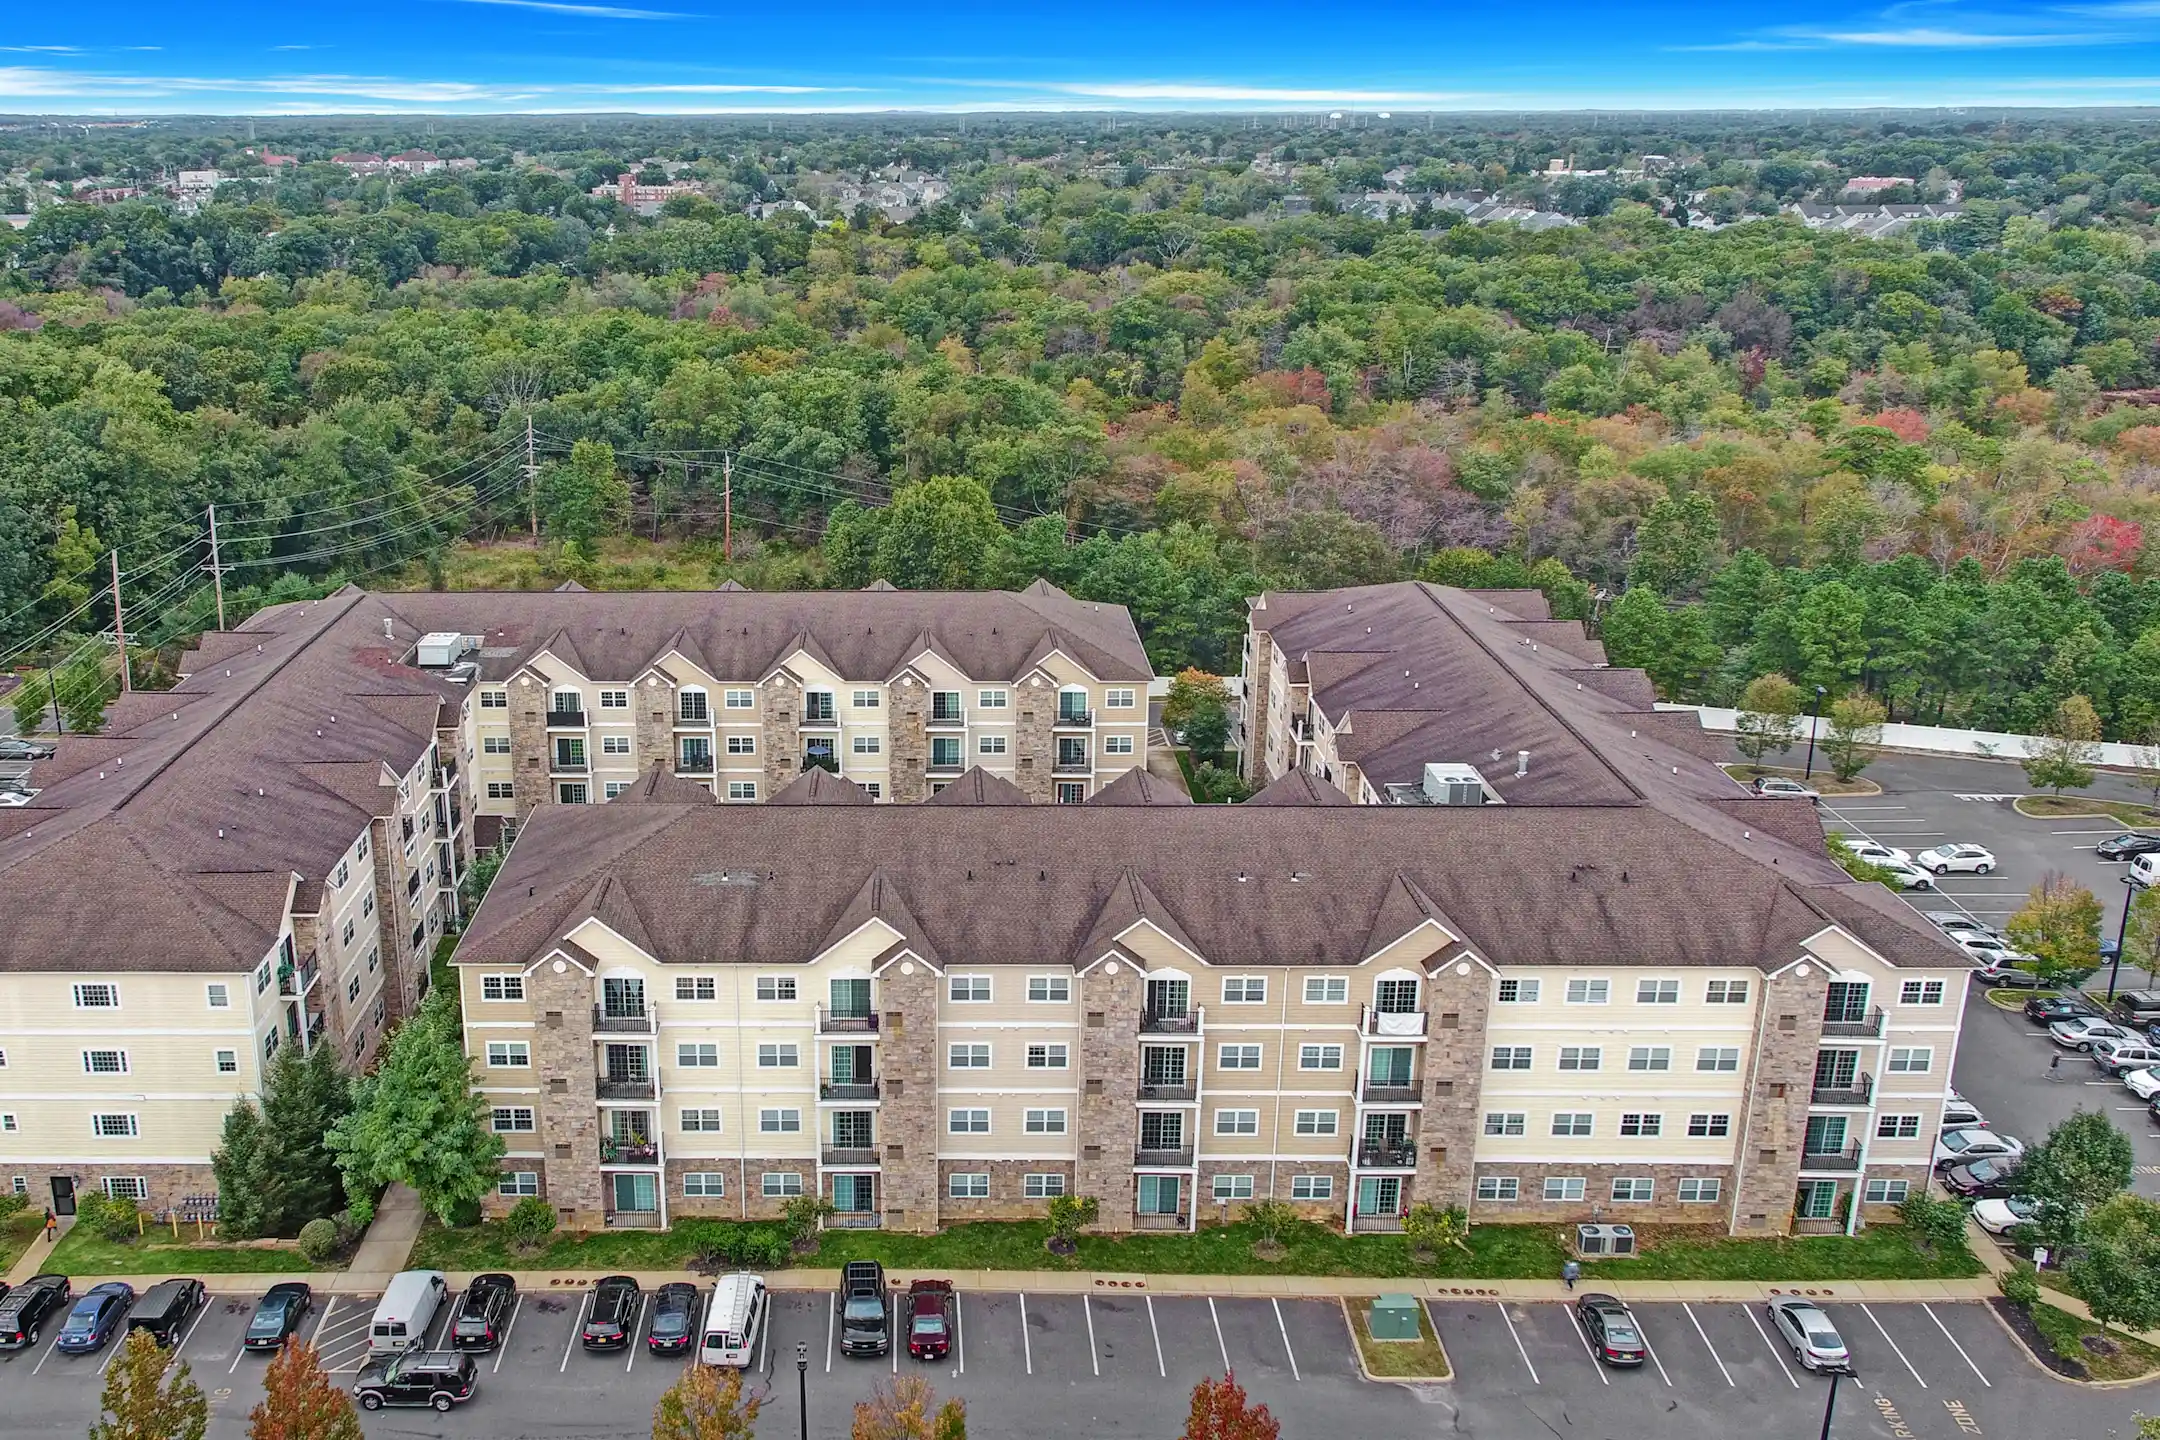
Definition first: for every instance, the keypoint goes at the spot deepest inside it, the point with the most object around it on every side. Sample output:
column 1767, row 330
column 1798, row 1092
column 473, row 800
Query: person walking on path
column 2055, row 1065
column 52, row 1227
column 1570, row 1273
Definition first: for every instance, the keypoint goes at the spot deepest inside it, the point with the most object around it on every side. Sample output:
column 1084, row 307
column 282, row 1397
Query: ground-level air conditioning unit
column 1604, row 1239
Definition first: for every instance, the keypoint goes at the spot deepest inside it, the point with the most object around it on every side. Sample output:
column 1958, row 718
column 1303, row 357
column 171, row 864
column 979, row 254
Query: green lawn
column 1497, row 1252
column 157, row 1253
column 16, row 1236
column 1419, row 1359
column 2106, row 1354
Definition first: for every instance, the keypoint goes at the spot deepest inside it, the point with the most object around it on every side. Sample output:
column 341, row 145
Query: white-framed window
column 967, row 1122
column 1505, row 1122
column 126, row 1187
column 738, row 700
column 990, row 744
column 1244, row 989
column 8, row 1126
column 1911, row 1059
column 971, row 1056
column 1327, row 990
column 698, row 1055
column 495, row 744
column 113, row 1126
column 1511, row 1057
column 1119, row 745
column 1640, row 1125
column 779, row 1120
column 1725, row 992
column 1048, row 1057
column 701, row 1120
column 1317, row 1122
column 1049, row 989
column 502, row 987
column 1649, row 1057
column 704, row 1185
column 572, row 792
column 1238, row 1057
column 1588, row 992
column 1721, row 1058
column 1043, row 1122
column 615, row 744
column 218, row 996
column 1573, row 1124
column 270, row 1041
column 1312, row 1187
column 500, row 789
column 1582, row 1057
column 1897, row 1127
column 512, row 1119
column 1498, row 1187
column 609, row 789
column 518, row 1182
column 620, row 699
column 866, row 745
column 778, row 1055
column 1119, row 697
column 1633, row 1190
column 697, row 987
column 1518, row 992
column 1237, row 1122
column 352, row 990
column 346, row 938
column 98, row 995
column 1657, row 992
column 105, row 1062
column 227, row 1061
column 509, row 1055
column 967, row 989
column 1042, row 1187
column 20, row 1185
column 1882, row 1192
column 867, row 699
column 1563, row 1187
column 873, row 788
column 990, row 699
column 1319, row 1057
column 494, row 700
column 779, row 1184
column 968, row 1185
column 742, row 789
column 1921, row 992
column 1232, row 1187
column 776, row 987
column 1700, row 1190
column 1709, row 1125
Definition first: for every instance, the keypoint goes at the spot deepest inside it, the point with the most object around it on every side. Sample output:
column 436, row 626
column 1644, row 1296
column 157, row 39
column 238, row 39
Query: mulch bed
column 2021, row 1324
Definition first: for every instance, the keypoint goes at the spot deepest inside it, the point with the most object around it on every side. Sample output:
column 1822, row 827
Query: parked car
column 614, row 1313
column 1906, row 877
column 1961, row 859
column 1778, row 785
column 14, row 796
column 1984, row 947
column 1981, row 1180
column 2145, row 1084
column 864, row 1329
column 1613, row 1333
column 2144, row 870
column 930, row 1319
column 96, row 1317
column 2047, row 1009
column 28, row 1306
column 2137, row 1007
column 1958, row 1113
column 2007, row 974
column 2115, row 1057
column 1876, row 854
column 2128, row 846
column 2079, row 1032
column 1957, row 922
column 483, row 1312
column 15, row 748
column 674, row 1319
column 278, row 1315
column 1815, row 1342
column 1999, row 1217
column 1960, row 1147
column 166, row 1308
column 441, row 1378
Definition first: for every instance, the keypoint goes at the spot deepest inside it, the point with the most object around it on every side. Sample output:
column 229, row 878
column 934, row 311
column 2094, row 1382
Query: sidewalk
column 388, row 1242
column 32, row 1261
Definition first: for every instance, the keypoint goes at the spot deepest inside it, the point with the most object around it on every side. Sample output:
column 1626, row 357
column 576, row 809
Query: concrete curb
column 1357, row 1352
column 2050, row 1371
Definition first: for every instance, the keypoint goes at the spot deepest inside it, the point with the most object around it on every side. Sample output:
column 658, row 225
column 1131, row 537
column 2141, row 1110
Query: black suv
column 674, row 1319
column 27, row 1307
column 483, row 1312
column 614, row 1314
column 441, row 1378
column 2047, row 1009
column 864, row 1329
column 2137, row 1007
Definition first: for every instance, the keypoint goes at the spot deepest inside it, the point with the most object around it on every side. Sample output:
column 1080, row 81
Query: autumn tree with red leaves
column 300, row 1402
column 1220, row 1411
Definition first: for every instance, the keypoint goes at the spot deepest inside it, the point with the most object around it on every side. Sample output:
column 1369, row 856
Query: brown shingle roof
column 658, row 785
column 977, row 786
column 1137, row 787
column 819, row 786
column 1299, row 787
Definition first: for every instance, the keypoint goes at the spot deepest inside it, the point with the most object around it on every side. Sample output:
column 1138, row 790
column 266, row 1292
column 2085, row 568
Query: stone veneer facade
column 1111, row 998
column 908, row 772
column 907, row 1123
column 1779, row 1090
column 568, row 1069
column 1456, row 1000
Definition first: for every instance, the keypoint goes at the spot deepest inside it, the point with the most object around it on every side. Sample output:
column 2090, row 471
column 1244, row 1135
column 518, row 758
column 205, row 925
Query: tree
column 1769, row 716
column 1272, row 1219
column 803, row 1214
column 2082, row 1164
column 143, row 1402
column 1937, row 1223
column 274, row 1170
column 2059, row 927
column 1855, row 729
column 246, row 1172
column 1199, row 705
column 1428, row 1227
column 1676, row 544
column 84, row 690
column 707, row 1403
column 1636, row 628
column 582, row 498
column 1068, row 1213
column 2118, row 1269
column 301, row 1402
column 2141, row 937
column 417, row 1121
column 902, row 1409
column 1220, row 1411
column 938, row 535
column 1829, row 635
column 2064, row 755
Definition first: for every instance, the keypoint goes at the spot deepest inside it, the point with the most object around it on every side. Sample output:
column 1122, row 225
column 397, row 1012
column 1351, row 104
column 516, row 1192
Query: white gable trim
column 1465, row 953
column 897, row 938
column 558, row 953
column 1428, row 923
column 905, row 953
column 572, row 933
column 1197, row 957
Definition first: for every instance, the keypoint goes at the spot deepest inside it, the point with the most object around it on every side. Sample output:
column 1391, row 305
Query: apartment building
column 1633, row 993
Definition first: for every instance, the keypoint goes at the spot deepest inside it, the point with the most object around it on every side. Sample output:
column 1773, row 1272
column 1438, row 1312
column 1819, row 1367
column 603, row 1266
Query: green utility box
column 1393, row 1317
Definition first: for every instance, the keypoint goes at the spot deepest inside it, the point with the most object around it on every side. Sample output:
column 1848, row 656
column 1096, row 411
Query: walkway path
column 32, row 1261
column 389, row 1241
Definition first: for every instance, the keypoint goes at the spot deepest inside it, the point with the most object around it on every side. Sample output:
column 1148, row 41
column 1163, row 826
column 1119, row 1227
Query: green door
column 1159, row 1194
column 639, row 1194
column 851, row 999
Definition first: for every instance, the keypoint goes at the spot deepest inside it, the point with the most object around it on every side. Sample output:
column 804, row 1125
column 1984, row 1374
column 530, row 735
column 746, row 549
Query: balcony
column 633, row 1220
column 694, row 765
column 945, row 764
column 629, row 1152
column 1372, row 1092
column 848, row 1090
column 611, row 1089
column 1171, row 1091
column 1401, row 1024
column 693, row 718
column 947, row 717
column 621, row 1022
column 563, row 765
column 1868, row 1027
column 298, row 980
column 317, row 1023
column 1174, row 1159
column 562, row 719
column 1854, row 1094
column 1376, row 1225
column 1845, row 1159
column 1387, row 1155
column 855, row 1220
column 1159, row 1222
column 820, row 720
column 1065, row 765
column 832, row 1023
column 1169, row 1022
column 1074, row 719
column 852, row 1156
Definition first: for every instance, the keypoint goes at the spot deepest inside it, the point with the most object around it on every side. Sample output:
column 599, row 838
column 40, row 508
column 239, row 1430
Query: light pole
column 1830, row 1405
column 1814, row 724
column 802, row 1387
column 2122, row 928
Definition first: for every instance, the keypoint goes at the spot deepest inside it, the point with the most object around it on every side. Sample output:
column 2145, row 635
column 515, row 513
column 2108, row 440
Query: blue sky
column 481, row 56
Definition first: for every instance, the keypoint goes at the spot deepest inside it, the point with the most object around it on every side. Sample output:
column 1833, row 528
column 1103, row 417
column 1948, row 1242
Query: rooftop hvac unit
column 1454, row 785
column 439, row 648
column 1604, row 1239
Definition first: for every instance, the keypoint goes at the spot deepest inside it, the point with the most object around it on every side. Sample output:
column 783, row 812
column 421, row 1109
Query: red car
column 930, row 1319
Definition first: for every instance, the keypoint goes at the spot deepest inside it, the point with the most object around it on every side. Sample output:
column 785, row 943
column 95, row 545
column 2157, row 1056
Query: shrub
column 1067, row 1214
column 1272, row 1219
column 529, row 1224
column 1936, row 1224
column 804, row 1213
column 319, row 1240
column 1428, row 1227
column 107, row 1218
column 2020, row 1284
column 464, row 1214
column 12, row 1206
column 763, row 1247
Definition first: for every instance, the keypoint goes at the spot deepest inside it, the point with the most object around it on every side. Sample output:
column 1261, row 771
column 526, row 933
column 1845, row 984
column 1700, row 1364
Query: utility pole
column 119, row 621
column 532, row 484
column 727, row 508
column 217, row 571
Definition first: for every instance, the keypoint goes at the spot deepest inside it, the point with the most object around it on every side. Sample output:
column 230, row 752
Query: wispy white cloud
column 43, row 49
column 1169, row 90
column 1929, row 37
column 24, row 82
column 600, row 12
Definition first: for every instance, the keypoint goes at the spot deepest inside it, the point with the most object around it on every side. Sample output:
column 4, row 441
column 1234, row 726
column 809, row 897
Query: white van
column 407, row 1311
column 2145, row 871
column 734, row 1320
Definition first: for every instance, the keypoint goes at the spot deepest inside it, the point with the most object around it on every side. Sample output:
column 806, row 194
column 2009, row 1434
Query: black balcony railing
column 560, row 718
column 571, row 765
column 1177, row 1158
column 1071, row 765
column 837, row 1022
column 848, row 1090
column 621, row 1022
column 694, row 765
column 849, row 1155
column 1845, row 1159
column 1169, row 1022
column 1376, row 1092
column 1074, row 719
column 947, row 715
column 1855, row 1093
column 629, row 1152
column 626, row 1089
column 821, row 718
column 1168, row 1090
column 1866, row 1026
column 1386, row 1155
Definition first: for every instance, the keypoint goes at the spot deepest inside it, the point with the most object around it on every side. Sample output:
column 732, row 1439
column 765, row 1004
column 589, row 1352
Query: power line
column 454, row 475
column 482, row 495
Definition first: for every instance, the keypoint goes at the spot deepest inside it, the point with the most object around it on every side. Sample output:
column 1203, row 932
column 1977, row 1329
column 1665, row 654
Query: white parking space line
column 1027, row 1346
column 328, row 1310
column 238, row 1356
column 1518, row 1343
column 1218, row 1335
column 1893, row 1345
column 892, row 1333
column 1576, row 1325
column 832, row 1313
column 189, row 1334
column 1774, row 1353
column 1160, row 1368
column 46, row 1356
column 1957, row 1347
column 1286, row 1341
column 1706, row 1341
column 577, row 1324
column 1651, row 1350
column 644, row 1306
column 502, row 1346
column 959, row 1327
column 112, row 1348
column 1094, row 1355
